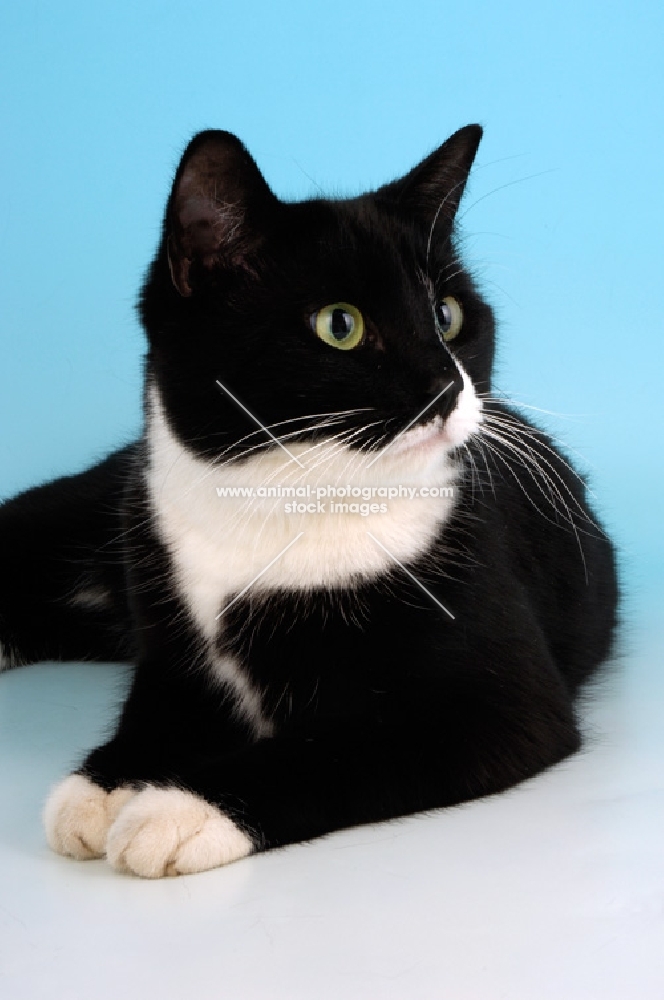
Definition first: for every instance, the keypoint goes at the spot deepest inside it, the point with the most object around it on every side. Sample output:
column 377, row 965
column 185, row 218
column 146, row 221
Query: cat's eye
column 449, row 317
column 339, row 325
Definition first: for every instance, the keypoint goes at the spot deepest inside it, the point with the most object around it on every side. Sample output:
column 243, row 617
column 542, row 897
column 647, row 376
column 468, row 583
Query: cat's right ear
column 217, row 209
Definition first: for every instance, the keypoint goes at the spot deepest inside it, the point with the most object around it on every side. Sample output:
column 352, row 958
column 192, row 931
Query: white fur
column 219, row 546
column 167, row 831
column 78, row 814
column 466, row 416
column 247, row 699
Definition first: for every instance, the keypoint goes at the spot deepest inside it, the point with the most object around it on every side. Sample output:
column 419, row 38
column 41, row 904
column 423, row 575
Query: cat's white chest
column 221, row 545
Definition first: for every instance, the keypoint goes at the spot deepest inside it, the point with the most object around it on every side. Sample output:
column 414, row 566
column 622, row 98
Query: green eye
column 339, row 325
column 449, row 317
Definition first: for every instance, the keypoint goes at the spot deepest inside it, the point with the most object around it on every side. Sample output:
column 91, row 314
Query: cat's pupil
column 341, row 324
column 444, row 316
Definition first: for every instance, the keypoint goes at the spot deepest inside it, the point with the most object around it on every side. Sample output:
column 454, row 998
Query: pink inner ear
column 205, row 220
column 205, row 225
column 192, row 208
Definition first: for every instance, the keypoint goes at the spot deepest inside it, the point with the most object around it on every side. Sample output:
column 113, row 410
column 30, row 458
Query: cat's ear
column 217, row 209
column 432, row 190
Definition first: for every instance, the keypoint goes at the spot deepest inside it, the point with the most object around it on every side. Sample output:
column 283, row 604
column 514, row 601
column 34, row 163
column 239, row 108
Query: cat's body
column 303, row 670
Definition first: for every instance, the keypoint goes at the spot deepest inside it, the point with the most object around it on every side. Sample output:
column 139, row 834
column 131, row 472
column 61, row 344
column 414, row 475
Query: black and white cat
column 305, row 661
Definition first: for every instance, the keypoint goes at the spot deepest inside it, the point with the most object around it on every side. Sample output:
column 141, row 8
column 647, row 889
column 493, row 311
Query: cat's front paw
column 168, row 831
column 78, row 815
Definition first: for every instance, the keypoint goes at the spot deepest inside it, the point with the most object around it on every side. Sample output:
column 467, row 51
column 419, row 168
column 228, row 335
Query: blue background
column 563, row 217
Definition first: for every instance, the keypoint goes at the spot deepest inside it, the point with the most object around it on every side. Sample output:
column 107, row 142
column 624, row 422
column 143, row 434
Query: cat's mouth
column 423, row 437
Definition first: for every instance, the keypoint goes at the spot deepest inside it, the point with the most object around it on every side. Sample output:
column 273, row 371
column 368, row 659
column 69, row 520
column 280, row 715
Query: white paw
column 167, row 831
column 78, row 815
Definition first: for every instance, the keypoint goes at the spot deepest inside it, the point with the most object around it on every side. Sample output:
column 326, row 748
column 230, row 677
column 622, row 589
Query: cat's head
column 324, row 317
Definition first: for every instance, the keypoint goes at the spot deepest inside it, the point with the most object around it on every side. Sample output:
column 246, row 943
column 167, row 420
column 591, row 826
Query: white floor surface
column 554, row 891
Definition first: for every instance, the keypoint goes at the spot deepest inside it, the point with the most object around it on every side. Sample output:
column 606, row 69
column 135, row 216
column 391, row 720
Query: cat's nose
column 441, row 383
column 443, row 391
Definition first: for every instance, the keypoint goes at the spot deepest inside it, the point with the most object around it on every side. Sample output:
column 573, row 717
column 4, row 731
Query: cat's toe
column 167, row 831
column 78, row 814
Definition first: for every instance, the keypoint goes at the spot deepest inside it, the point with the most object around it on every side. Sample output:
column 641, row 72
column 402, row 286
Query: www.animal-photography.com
column 330, row 646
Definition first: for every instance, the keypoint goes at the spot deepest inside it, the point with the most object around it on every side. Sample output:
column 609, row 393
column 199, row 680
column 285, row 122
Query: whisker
column 504, row 421
column 531, row 460
column 528, row 462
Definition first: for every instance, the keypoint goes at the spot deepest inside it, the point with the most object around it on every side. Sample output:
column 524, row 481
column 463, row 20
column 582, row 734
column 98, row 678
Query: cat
column 354, row 584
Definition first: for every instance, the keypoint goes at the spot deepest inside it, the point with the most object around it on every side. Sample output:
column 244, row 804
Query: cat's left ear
column 432, row 190
column 217, row 211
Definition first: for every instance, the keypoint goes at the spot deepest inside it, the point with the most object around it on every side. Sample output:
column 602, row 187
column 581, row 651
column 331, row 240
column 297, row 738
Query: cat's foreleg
column 170, row 722
column 205, row 810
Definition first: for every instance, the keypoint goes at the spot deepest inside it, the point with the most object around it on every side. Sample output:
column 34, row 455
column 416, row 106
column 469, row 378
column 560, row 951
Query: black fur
column 381, row 703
